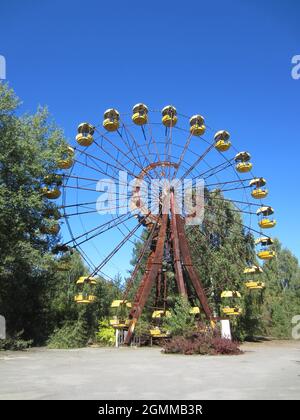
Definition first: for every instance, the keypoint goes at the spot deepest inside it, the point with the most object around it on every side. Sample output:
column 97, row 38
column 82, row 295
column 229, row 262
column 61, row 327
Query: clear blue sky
column 228, row 60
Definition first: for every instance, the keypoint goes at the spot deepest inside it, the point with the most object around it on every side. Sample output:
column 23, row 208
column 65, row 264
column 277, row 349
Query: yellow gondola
column 84, row 298
column 51, row 229
column 156, row 332
column 169, row 116
column 119, row 314
column 234, row 309
column 265, row 253
column 140, row 114
column 253, row 269
column 242, row 162
column 111, row 119
column 254, row 285
column 197, row 127
column 265, row 222
column 158, row 316
column 222, row 142
column 85, row 295
column 86, row 280
column 230, row 294
column 66, row 161
column 85, row 134
column 258, row 192
column 51, row 193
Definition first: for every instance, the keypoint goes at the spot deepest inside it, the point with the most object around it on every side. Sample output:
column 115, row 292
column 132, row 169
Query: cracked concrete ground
column 268, row 370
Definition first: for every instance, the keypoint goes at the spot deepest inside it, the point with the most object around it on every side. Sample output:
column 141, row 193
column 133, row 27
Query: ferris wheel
column 104, row 183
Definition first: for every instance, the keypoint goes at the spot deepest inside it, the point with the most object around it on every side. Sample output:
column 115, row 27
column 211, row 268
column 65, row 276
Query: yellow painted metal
column 259, row 193
column 230, row 293
column 118, row 303
column 266, row 254
column 169, row 121
column 86, row 279
column 111, row 125
column 254, row 285
column 244, row 167
column 51, row 194
column 169, row 116
column 161, row 314
column 111, row 119
column 267, row 223
column 254, row 269
column 139, row 119
column 119, row 323
column 227, row 310
column 197, row 130
column 157, row 333
column 140, row 114
column 81, row 298
column 84, row 139
column 65, row 163
column 197, row 126
column 223, row 145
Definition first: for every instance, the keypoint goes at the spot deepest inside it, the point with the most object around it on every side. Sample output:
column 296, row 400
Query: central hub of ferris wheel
column 150, row 149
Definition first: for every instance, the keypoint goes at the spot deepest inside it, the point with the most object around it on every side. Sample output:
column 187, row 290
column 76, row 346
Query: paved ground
column 269, row 370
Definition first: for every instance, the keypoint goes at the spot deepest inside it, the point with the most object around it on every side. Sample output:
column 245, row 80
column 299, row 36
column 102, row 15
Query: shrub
column 106, row 333
column 181, row 321
column 73, row 334
column 15, row 343
column 201, row 343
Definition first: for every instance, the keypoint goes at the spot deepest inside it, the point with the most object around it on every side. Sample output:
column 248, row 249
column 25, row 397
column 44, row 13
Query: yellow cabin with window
column 51, row 193
column 169, row 116
column 197, row 126
column 265, row 253
column 140, row 114
column 258, row 192
column 111, row 120
column 66, row 161
column 242, row 162
column 119, row 314
column 222, row 143
column 227, row 308
column 85, row 134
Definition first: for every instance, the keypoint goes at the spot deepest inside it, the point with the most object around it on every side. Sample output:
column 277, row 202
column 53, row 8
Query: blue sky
column 227, row 60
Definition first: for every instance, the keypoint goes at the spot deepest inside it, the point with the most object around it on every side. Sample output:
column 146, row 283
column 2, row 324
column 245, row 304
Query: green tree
column 29, row 149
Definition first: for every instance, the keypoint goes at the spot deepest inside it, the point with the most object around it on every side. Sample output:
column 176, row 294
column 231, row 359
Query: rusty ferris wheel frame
column 144, row 160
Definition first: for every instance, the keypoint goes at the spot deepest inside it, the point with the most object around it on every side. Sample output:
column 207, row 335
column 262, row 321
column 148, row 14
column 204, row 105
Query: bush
column 106, row 333
column 15, row 343
column 73, row 334
column 201, row 343
column 181, row 321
